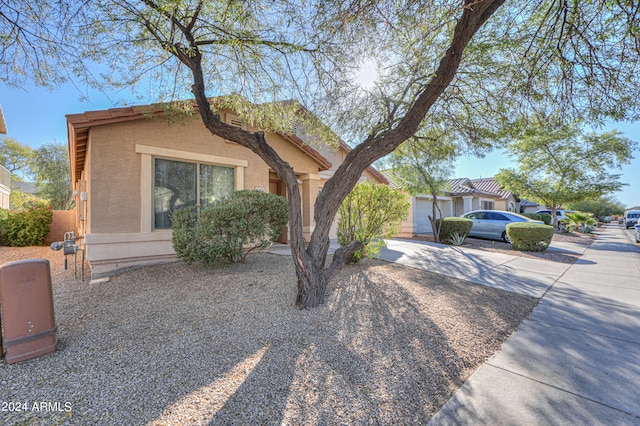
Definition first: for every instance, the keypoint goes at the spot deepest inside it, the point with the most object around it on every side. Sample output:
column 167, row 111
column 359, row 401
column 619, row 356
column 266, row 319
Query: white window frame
column 487, row 201
column 147, row 154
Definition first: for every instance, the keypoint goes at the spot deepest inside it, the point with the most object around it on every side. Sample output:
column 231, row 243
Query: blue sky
column 36, row 116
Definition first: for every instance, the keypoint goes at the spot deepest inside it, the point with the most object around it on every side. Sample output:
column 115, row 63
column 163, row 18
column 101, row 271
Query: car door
column 477, row 228
column 495, row 225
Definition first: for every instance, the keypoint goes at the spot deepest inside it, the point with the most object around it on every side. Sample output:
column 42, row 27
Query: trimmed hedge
column 450, row 225
column 545, row 217
column 529, row 236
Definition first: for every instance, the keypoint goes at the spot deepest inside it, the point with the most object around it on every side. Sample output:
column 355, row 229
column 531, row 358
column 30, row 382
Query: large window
column 179, row 184
column 487, row 205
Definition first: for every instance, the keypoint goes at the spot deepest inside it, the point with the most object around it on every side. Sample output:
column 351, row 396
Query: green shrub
column 27, row 227
column 452, row 225
column 228, row 230
column 369, row 214
column 545, row 217
column 529, row 236
column 583, row 222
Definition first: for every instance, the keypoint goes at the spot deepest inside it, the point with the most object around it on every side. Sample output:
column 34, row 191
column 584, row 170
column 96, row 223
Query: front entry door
column 277, row 187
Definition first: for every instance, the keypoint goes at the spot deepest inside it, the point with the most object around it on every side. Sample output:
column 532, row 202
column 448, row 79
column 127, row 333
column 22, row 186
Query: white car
column 492, row 224
column 637, row 232
column 560, row 214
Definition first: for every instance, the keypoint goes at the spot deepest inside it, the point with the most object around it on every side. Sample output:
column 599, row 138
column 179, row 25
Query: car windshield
column 520, row 216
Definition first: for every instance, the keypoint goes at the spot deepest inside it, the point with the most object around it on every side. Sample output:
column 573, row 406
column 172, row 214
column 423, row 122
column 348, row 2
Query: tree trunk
column 313, row 276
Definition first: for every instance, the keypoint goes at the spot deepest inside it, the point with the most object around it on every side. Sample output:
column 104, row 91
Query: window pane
column 216, row 182
column 487, row 205
column 175, row 187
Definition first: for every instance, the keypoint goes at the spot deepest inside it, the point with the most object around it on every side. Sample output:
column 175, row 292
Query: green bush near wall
column 529, row 236
column 228, row 230
column 451, row 225
column 27, row 227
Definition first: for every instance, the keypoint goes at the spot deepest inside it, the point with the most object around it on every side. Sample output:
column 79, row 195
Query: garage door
column 421, row 216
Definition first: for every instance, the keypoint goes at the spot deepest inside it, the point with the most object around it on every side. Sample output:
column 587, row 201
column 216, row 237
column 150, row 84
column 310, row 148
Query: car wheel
column 504, row 237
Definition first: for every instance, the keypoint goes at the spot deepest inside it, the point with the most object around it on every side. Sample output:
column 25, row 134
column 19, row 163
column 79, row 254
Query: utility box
column 26, row 303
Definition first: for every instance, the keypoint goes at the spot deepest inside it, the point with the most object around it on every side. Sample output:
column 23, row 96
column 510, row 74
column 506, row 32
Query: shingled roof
column 491, row 185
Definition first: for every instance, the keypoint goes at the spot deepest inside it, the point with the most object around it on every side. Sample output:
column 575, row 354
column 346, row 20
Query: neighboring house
column 527, row 206
column 3, row 124
column 5, row 176
column 462, row 196
column 130, row 171
column 26, row 187
column 5, row 188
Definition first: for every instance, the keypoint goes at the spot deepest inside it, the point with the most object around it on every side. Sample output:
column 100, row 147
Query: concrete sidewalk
column 532, row 277
column 576, row 359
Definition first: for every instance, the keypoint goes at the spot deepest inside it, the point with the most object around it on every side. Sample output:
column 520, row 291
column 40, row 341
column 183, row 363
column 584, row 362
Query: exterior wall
column 503, row 204
column 119, row 183
column 5, row 188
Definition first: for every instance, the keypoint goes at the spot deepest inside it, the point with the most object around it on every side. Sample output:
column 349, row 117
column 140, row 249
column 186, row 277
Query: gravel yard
column 174, row 344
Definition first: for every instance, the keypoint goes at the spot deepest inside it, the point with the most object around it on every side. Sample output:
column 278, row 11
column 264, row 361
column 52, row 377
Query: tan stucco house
column 5, row 176
column 462, row 196
column 5, row 188
column 3, row 123
column 131, row 166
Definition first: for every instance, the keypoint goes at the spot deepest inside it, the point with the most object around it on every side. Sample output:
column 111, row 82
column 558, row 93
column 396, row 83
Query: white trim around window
column 147, row 153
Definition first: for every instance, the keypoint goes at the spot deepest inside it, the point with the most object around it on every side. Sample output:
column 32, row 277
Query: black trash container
column 26, row 303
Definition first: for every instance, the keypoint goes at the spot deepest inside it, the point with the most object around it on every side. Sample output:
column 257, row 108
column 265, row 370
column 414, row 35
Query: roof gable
column 79, row 125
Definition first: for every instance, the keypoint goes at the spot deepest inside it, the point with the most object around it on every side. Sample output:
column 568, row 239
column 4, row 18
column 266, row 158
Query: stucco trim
column 188, row 155
column 148, row 152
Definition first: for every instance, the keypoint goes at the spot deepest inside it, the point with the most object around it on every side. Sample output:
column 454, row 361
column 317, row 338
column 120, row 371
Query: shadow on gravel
column 174, row 344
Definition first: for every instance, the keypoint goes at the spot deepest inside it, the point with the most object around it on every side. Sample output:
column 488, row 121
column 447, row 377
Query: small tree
column 369, row 214
column 50, row 164
column 16, row 158
column 559, row 164
column 424, row 164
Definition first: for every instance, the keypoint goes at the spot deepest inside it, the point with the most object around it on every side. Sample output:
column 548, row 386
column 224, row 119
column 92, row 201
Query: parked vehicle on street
column 637, row 232
column 560, row 215
column 492, row 224
column 631, row 218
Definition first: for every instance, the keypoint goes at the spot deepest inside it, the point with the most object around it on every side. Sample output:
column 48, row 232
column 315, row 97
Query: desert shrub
column 545, row 217
column 529, row 236
column 369, row 214
column 457, row 239
column 228, row 230
column 583, row 222
column 27, row 227
column 452, row 225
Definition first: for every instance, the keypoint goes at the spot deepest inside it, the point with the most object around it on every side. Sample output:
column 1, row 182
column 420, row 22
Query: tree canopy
column 479, row 66
column 600, row 207
column 560, row 164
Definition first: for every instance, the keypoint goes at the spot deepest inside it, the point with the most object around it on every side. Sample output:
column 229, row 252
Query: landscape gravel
column 176, row 344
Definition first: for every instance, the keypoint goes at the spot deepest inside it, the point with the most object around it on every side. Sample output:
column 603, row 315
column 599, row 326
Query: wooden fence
column 63, row 221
